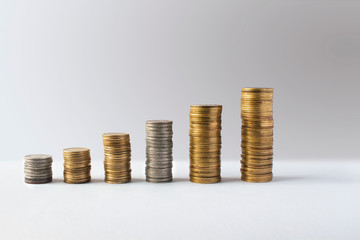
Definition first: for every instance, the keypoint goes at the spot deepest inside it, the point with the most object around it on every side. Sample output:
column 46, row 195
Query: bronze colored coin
column 257, row 159
column 205, row 107
column 257, row 134
column 212, row 125
column 250, row 104
column 205, row 180
column 245, row 98
column 256, row 178
column 257, row 138
column 204, row 175
column 214, row 171
column 206, row 154
column 250, row 149
column 115, row 180
column 77, row 181
column 250, row 165
column 257, row 107
column 77, row 165
column 117, row 153
column 256, row 165
column 257, row 145
column 115, row 135
column 257, row 123
column 256, row 171
column 205, row 143
column 75, row 150
column 265, row 90
column 257, row 154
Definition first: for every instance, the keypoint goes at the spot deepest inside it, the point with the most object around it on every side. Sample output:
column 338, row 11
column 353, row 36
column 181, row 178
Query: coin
column 159, row 146
column 205, row 143
column 117, row 161
column 38, row 168
column 77, row 165
column 257, row 134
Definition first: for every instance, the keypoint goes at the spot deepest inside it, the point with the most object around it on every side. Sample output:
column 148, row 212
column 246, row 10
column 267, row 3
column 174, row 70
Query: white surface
column 307, row 200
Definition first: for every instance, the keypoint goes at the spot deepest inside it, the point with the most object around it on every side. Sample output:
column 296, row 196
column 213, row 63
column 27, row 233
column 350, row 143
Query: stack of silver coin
column 159, row 151
column 37, row 168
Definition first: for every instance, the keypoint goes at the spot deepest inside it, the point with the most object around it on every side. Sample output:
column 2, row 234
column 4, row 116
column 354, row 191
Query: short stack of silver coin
column 38, row 168
column 159, row 146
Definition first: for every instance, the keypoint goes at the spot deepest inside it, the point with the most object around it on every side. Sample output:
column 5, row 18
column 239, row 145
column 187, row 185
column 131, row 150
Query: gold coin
column 257, row 178
column 205, row 180
column 117, row 153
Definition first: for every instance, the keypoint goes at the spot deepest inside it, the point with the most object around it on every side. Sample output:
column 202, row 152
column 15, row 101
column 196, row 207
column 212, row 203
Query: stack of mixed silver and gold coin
column 77, row 165
column 205, row 143
column 117, row 157
column 257, row 134
column 159, row 151
column 37, row 168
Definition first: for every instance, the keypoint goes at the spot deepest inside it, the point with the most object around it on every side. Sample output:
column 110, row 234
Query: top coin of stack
column 37, row 168
column 257, row 134
column 159, row 151
column 77, row 165
column 205, row 143
column 117, row 157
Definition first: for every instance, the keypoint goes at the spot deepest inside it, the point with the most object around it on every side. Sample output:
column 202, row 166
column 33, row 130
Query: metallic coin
column 197, row 179
column 205, row 143
column 38, row 168
column 117, row 157
column 77, row 165
column 257, row 134
column 159, row 146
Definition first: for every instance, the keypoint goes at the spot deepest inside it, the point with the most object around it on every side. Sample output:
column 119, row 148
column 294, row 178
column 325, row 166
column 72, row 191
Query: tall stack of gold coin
column 205, row 143
column 77, row 165
column 257, row 134
column 117, row 157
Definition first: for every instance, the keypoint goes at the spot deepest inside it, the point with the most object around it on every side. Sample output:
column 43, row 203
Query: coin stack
column 159, row 151
column 77, row 165
column 37, row 168
column 117, row 157
column 205, row 143
column 257, row 134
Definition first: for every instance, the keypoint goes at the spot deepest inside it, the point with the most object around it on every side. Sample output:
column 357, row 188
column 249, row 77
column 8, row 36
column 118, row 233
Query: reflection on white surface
column 308, row 199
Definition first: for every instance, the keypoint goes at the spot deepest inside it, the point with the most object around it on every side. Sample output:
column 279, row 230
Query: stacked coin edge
column 159, row 146
column 257, row 134
column 117, row 157
column 205, row 143
column 38, row 168
column 77, row 165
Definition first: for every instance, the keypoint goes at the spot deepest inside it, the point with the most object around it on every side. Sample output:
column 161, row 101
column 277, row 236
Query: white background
column 72, row 70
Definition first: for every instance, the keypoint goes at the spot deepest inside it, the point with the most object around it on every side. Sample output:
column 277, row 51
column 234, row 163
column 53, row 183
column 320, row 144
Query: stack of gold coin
column 117, row 157
column 77, row 165
column 205, row 143
column 257, row 134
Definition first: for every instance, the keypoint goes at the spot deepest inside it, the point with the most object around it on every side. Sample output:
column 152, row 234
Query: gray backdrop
column 71, row 70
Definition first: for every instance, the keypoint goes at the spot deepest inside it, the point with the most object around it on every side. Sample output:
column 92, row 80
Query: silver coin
column 159, row 146
column 159, row 143
column 159, row 131
column 37, row 168
column 150, row 165
column 159, row 180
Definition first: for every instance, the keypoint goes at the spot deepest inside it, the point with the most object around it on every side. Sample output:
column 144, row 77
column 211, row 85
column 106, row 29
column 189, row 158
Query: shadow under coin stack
column 159, row 151
column 205, row 143
column 37, row 168
column 117, row 157
column 77, row 165
column 257, row 134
